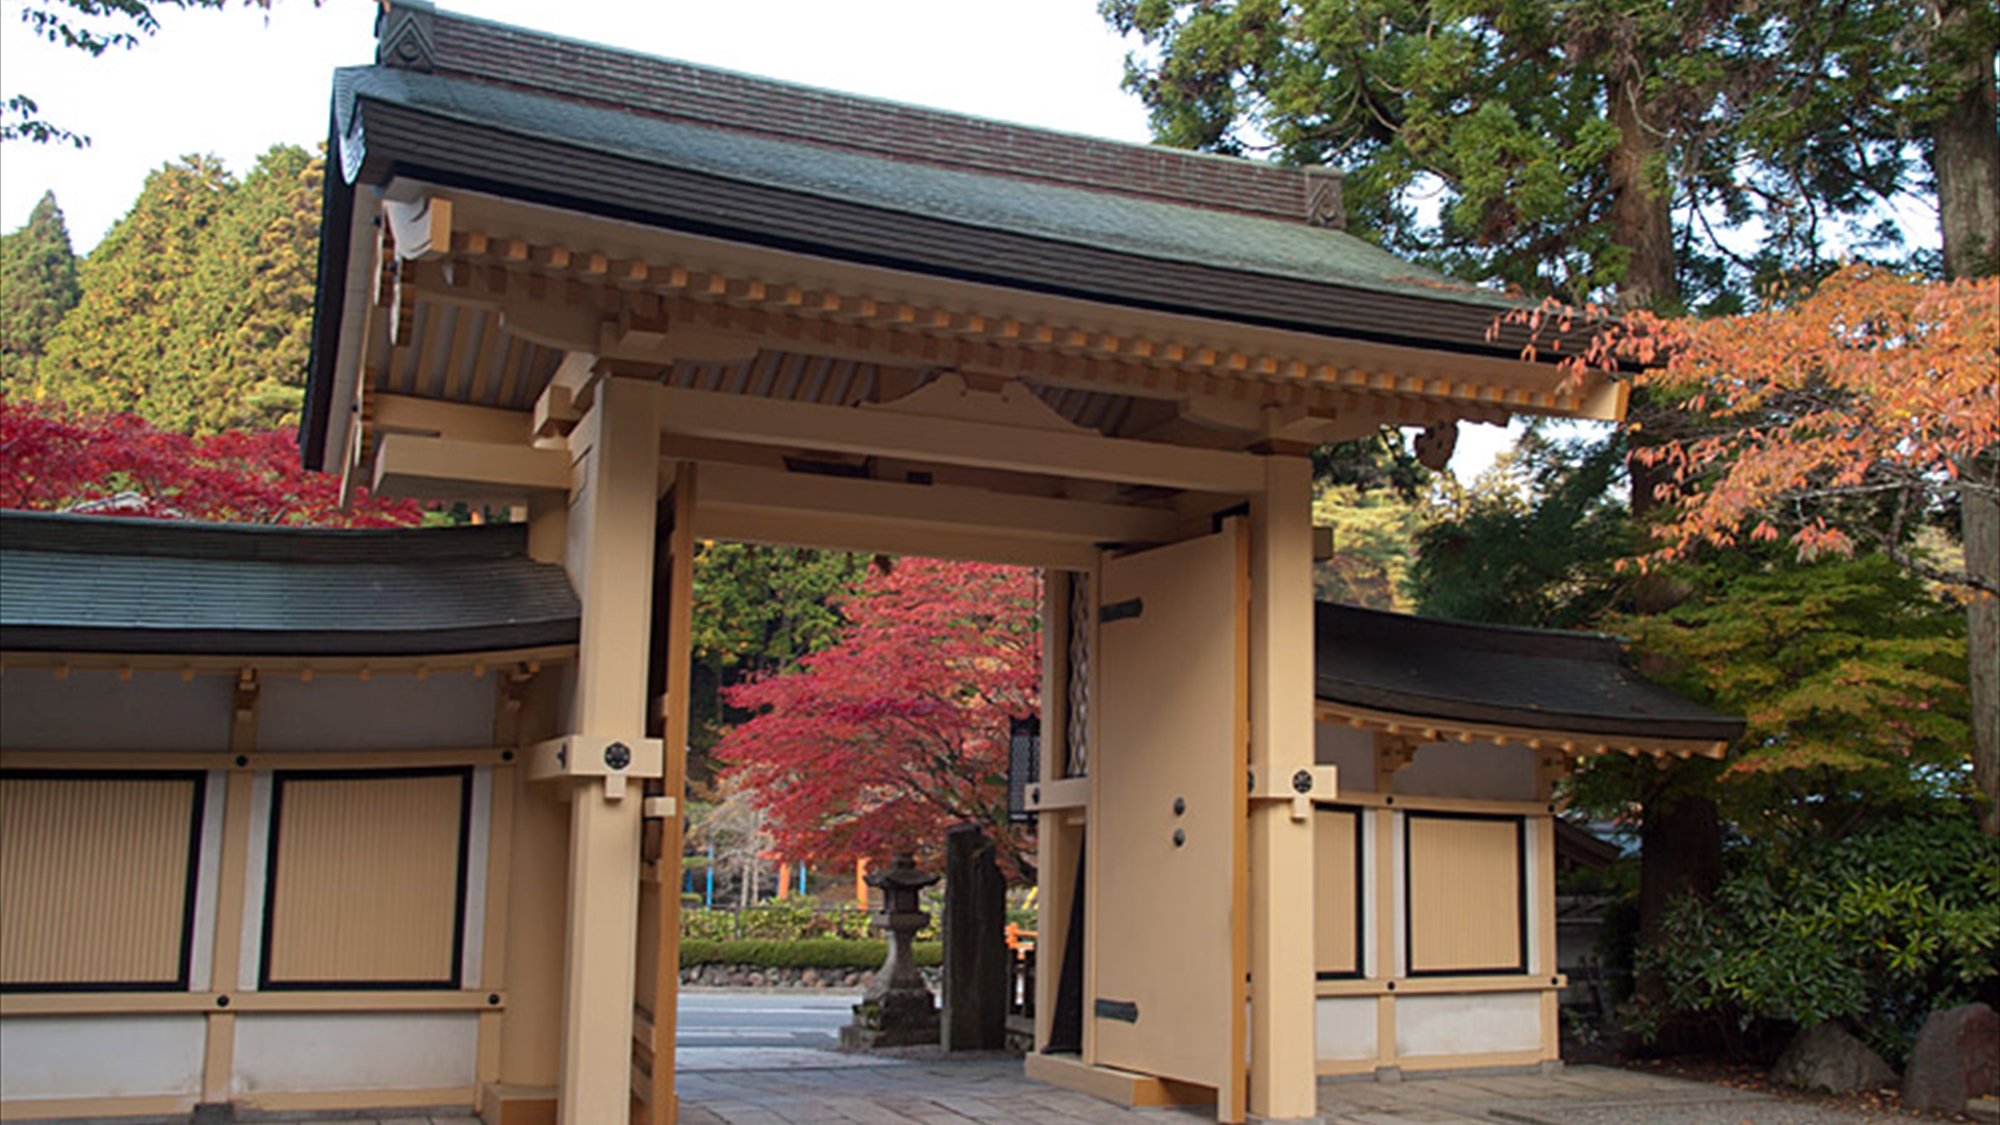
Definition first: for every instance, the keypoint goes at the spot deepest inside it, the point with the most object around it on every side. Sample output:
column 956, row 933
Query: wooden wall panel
column 366, row 879
column 97, row 883
column 1464, row 888
column 1337, row 927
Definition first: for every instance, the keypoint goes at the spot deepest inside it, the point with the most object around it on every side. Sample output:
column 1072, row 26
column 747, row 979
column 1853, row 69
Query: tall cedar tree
column 122, row 349
column 122, row 465
column 37, row 287
column 879, row 743
column 196, row 308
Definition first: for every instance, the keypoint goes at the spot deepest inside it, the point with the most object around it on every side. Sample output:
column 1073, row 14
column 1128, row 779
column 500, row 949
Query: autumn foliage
column 880, row 742
column 1876, row 394
column 1876, row 387
column 120, row 464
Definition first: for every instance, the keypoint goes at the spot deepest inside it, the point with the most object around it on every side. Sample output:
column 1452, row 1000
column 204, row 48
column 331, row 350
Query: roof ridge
column 412, row 35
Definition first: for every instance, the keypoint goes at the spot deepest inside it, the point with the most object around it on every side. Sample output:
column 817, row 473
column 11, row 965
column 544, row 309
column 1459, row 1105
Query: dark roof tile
column 1449, row 670
column 98, row 584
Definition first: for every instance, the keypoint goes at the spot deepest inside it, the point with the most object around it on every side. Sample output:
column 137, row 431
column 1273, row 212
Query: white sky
column 234, row 83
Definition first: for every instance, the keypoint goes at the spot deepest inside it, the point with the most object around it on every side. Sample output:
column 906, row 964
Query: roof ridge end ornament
column 406, row 35
column 1326, row 197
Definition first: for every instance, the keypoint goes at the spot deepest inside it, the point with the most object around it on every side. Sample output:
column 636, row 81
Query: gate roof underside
column 505, row 199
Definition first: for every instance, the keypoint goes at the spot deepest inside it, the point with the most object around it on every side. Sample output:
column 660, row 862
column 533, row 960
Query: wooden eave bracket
column 421, row 226
column 614, row 759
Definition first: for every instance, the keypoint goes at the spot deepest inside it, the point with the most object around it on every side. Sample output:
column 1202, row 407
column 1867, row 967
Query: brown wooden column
column 610, row 561
column 1283, row 1079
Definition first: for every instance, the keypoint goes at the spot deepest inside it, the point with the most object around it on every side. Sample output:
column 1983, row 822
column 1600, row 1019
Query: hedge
column 812, row 953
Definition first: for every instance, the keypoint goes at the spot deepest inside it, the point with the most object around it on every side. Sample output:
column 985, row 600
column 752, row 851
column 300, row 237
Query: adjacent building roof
column 1486, row 674
column 94, row 584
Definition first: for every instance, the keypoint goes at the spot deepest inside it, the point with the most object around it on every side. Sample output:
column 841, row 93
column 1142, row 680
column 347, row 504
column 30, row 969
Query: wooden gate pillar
column 613, row 497
column 1283, row 1060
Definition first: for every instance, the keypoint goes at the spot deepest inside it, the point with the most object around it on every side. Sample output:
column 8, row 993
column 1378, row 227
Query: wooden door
column 1168, row 824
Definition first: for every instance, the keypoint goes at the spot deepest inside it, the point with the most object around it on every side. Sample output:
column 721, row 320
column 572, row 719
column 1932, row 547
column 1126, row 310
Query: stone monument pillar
column 976, row 963
column 898, row 1009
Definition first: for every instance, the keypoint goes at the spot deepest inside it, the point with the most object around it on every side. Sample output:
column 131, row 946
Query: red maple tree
column 880, row 742
column 121, row 465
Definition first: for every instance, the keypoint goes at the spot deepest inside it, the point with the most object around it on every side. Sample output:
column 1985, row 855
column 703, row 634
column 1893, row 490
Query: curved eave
column 385, row 141
column 301, row 645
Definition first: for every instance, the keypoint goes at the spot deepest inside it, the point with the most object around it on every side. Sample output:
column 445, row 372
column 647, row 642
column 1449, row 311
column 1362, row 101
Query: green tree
column 117, row 349
column 37, row 286
column 256, row 279
column 1374, row 532
column 1536, row 542
column 1675, row 152
column 1850, row 673
column 196, row 309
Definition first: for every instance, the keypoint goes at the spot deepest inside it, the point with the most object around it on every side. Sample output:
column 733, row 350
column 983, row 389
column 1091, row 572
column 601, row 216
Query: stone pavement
column 823, row 1088
column 994, row 1091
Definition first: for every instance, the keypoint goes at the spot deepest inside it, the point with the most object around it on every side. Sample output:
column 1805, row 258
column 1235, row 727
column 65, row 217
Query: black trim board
column 265, row 982
column 197, row 820
column 1521, row 904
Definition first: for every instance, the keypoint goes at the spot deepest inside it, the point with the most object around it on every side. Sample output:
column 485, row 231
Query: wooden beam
column 955, row 441
column 737, row 488
column 450, row 469
column 433, row 418
column 847, row 533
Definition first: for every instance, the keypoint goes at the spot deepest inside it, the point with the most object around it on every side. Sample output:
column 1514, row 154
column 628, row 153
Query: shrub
column 1875, row 929
column 784, row 921
column 811, row 953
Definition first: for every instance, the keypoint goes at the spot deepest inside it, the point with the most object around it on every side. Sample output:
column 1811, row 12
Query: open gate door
column 656, row 991
column 1168, row 836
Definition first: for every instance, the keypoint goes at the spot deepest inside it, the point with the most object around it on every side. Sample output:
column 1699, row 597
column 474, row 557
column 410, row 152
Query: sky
column 233, row 83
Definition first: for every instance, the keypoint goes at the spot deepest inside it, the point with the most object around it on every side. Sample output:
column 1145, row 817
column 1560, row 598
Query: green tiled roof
column 1104, row 220
column 101, row 584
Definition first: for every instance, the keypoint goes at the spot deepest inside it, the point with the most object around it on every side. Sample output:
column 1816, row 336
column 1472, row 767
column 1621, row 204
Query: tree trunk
column 1981, row 526
column 1680, row 854
column 1642, row 217
column 1965, row 148
column 1965, row 155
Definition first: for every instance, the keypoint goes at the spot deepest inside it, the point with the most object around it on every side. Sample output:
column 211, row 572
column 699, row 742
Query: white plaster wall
column 1468, row 1024
column 442, row 711
column 1345, row 1027
column 101, row 1056
column 1350, row 750
column 92, row 710
column 406, row 1051
column 1480, row 769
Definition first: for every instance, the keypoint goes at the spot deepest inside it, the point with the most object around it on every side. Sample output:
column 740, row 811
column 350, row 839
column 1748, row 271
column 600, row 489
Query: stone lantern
column 898, row 1010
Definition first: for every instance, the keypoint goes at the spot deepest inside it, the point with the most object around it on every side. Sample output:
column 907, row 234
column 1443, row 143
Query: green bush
column 784, row 921
column 809, row 953
column 1875, row 929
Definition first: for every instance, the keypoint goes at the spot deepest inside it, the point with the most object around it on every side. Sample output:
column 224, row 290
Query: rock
column 1956, row 1059
column 1825, row 1057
